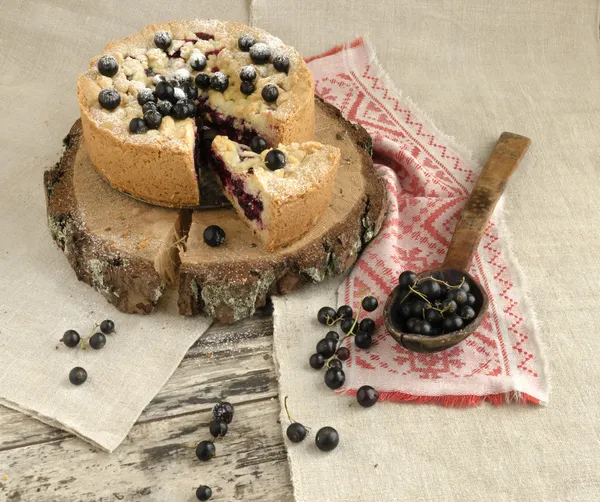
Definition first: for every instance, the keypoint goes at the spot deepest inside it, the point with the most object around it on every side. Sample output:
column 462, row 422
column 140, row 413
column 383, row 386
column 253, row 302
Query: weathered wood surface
column 157, row 460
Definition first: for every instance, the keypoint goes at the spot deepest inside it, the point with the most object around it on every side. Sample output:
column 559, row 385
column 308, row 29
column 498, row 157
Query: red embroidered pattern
column 427, row 185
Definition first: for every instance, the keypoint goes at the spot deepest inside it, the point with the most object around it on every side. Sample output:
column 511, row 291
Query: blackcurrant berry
column 316, row 361
column 145, row 96
column 417, row 308
column 405, row 310
column 465, row 286
column 205, row 450
column 164, row 90
column 275, row 159
column 202, row 81
column 346, row 325
column 363, row 340
column 334, row 378
column 223, row 412
column 270, row 93
column 326, row 347
column 138, row 126
column 407, row 279
column 367, row 325
column 326, row 315
column 180, row 110
column 164, row 108
column 452, row 323
column 448, row 306
column 77, row 376
column 260, row 53
column 411, row 325
column 150, row 105
column 245, row 42
column 343, row 353
column 197, row 61
column 369, row 303
column 467, row 313
column 258, row 144
column 203, row 493
column 430, row 289
column 219, row 81
column 327, row 439
column 214, row 235
column 281, row 63
column 108, row 66
column 153, row 119
column 109, row 98
column 71, row 338
column 336, row 363
column 458, row 295
column 332, row 335
column 190, row 91
column 423, row 328
column 471, row 299
column 217, row 429
column 248, row 73
column 345, row 312
column 247, row 87
column 434, row 317
column 367, row 396
column 162, row 40
column 296, row 432
column 97, row 341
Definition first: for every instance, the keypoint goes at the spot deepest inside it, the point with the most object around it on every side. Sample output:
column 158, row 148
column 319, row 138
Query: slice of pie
column 280, row 193
column 146, row 100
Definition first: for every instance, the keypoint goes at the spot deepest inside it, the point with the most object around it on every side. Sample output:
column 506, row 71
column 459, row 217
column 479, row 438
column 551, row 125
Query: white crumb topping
column 142, row 65
column 306, row 165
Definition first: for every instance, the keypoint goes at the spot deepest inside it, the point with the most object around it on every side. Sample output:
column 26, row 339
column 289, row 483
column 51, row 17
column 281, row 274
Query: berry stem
column 330, row 322
column 287, row 410
column 84, row 341
column 446, row 284
column 413, row 290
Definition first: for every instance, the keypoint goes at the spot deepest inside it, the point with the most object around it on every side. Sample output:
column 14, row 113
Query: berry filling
column 214, row 52
column 251, row 205
column 204, row 36
column 223, row 124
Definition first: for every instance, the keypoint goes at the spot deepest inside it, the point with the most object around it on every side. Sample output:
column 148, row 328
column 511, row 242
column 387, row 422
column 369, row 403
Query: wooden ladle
column 505, row 158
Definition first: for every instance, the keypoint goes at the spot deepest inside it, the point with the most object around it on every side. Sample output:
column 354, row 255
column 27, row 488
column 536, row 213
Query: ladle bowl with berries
column 437, row 309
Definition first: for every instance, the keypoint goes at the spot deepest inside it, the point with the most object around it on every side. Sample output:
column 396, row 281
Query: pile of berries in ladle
column 431, row 307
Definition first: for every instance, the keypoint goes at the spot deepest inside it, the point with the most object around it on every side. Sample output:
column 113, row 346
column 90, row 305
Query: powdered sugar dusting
column 260, row 52
column 144, row 65
column 179, row 93
column 182, row 75
column 306, row 165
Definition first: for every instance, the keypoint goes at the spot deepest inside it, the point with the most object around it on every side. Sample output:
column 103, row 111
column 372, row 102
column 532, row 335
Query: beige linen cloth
column 476, row 68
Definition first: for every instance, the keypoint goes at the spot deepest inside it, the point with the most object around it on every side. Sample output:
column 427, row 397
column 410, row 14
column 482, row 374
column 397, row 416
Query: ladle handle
column 505, row 158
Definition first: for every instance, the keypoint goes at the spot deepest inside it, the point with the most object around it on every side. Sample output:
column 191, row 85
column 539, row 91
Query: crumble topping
column 174, row 56
column 306, row 164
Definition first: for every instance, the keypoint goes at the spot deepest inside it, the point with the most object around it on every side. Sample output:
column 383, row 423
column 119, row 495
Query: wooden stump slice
column 123, row 248
column 131, row 251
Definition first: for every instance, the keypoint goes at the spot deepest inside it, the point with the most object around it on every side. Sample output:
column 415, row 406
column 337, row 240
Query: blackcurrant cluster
column 330, row 350
column 71, row 339
column 430, row 306
column 327, row 438
column 222, row 416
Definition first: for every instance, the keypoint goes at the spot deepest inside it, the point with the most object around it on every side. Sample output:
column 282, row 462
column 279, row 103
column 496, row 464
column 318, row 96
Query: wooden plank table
column 157, row 460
